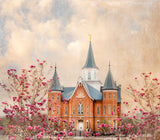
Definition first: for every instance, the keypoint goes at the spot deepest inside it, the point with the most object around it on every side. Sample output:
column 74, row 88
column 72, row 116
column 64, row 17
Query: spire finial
column 55, row 67
column 109, row 64
column 90, row 37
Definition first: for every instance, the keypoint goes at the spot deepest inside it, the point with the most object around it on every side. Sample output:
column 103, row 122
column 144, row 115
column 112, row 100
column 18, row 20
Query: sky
column 124, row 32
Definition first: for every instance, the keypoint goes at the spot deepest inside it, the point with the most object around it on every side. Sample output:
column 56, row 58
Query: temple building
column 90, row 102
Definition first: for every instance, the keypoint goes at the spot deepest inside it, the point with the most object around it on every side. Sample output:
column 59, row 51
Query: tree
column 146, row 113
column 27, row 113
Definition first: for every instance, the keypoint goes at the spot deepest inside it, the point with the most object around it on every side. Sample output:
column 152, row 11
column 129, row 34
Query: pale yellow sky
column 126, row 32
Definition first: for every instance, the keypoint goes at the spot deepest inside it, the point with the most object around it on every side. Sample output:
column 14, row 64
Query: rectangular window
column 66, row 110
column 73, row 124
column 104, row 109
column 114, row 96
column 109, row 109
column 109, row 96
column 97, row 109
column 57, row 110
column 114, row 109
column 73, row 109
column 65, row 124
column 109, row 122
column 97, row 123
column 87, row 109
column 57, row 97
column 52, row 96
column 87, row 124
column 104, row 96
column 89, row 75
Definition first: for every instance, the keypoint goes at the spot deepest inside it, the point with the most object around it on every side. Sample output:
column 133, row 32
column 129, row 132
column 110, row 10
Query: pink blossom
column 29, row 127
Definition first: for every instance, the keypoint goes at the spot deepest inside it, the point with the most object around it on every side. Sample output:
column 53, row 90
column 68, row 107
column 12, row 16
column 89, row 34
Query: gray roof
column 55, row 84
column 90, row 62
column 67, row 92
column 109, row 82
column 93, row 93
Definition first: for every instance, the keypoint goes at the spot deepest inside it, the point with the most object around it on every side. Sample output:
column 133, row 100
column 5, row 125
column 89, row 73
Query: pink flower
column 98, row 134
column 29, row 127
column 39, row 136
column 27, row 138
column 70, row 134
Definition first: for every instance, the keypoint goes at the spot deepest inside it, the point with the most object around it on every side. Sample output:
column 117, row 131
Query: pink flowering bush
column 27, row 111
column 145, row 116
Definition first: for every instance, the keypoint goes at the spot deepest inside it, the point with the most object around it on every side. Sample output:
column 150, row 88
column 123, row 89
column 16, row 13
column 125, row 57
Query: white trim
column 80, row 82
column 113, row 90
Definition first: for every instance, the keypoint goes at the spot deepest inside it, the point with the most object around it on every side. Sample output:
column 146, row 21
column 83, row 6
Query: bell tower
column 90, row 70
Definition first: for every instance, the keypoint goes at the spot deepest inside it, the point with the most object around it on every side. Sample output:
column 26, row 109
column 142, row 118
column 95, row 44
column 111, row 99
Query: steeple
column 56, row 84
column 90, row 62
column 109, row 82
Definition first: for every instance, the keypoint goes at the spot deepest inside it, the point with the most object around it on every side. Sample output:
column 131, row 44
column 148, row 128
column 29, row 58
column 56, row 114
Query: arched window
column 104, row 109
column 80, row 108
column 87, row 109
column 109, row 96
column 97, row 109
column 114, row 96
column 89, row 75
column 73, row 109
column 114, row 109
column 94, row 75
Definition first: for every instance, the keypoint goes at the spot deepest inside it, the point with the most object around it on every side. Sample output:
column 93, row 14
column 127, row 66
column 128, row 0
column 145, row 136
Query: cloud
column 125, row 32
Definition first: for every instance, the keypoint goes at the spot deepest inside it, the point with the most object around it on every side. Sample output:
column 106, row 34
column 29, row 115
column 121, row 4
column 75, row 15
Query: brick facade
column 94, row 112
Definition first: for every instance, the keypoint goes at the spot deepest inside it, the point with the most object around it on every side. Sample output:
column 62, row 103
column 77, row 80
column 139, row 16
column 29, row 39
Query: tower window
column 58, row 110
column 109, row 109
column 104, row 109
column 80, row 108
column 114, row 96
column 89, row 75
column 97, row 109
column 73, row 124
column 73, row 109
column 52, row 96
column 66, row 110
column 109, row 96
column 94, row 75
column 87, row 109
column 114, row 109
column 57, row 97
column 104, row 96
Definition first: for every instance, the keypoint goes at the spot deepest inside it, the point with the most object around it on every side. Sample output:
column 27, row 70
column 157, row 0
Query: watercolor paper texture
column 126, row 32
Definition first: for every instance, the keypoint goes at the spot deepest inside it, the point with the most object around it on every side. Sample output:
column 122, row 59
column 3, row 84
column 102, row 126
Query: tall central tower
column 90, row 70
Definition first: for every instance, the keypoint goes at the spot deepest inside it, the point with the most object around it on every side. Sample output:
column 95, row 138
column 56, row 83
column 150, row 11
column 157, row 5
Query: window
column 114, row 124
column 114, row 96
column 73, row 124
column 97, row 109
column 109, row 109
column 97, row 123
column 89, row 75
column 53, row 109
column 58, row 110
column 66, row 110
column 109, row 96
column 94, row 75
column 87, row 124
column 52, row 96
column 80, row 108
column 87, row 109
column 65, row 124
column 114, row 109
column 104, row 96
column 104, row 109
column 57, row 97
column 109, row 122
column 73, row 109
